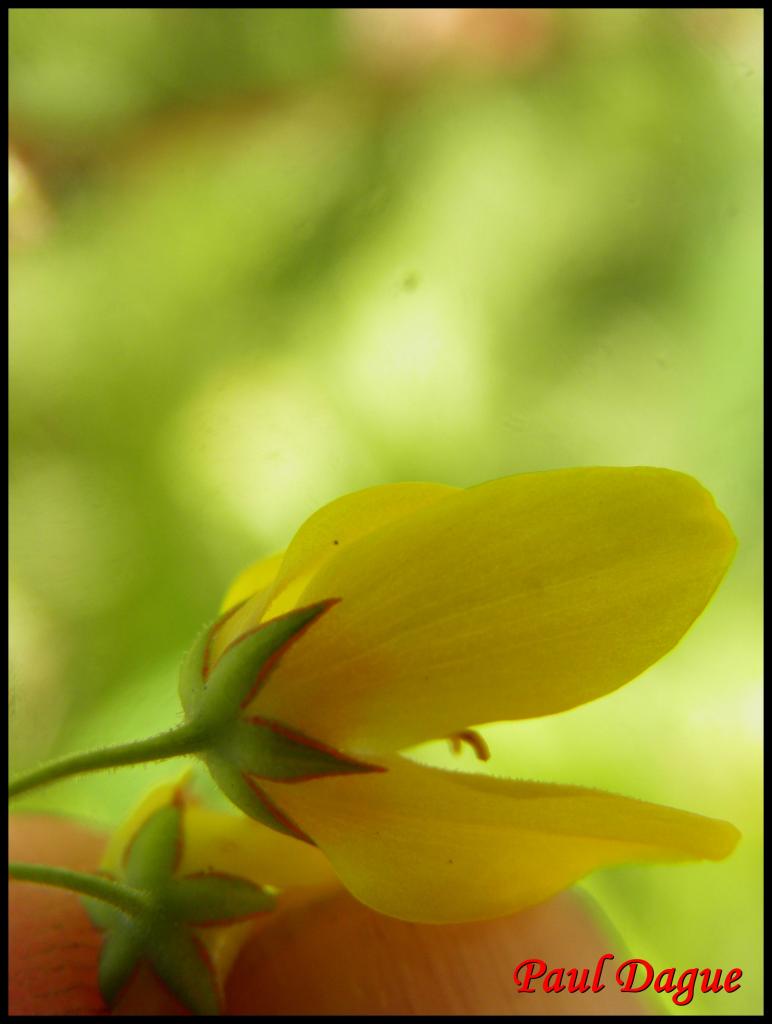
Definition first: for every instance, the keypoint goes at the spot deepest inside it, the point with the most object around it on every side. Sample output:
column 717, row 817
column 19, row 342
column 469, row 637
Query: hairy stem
column 186, row 739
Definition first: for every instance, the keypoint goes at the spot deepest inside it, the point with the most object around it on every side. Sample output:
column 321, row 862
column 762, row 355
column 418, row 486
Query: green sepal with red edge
column 244, row 792
column 213, row 898
column 239, row 747
column 266, row 749
column 246, row 664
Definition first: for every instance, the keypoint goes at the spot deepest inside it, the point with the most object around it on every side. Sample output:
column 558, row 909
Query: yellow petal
column 250, row 589
column 428, row 845
column 521, row 597
column 233, row 844
column 337, row 525
column 236, row 845
column 258, row 576
column 320, row 539
column 226, row 842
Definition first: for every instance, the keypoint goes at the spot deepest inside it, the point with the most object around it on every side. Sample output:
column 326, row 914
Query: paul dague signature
column 631, row 976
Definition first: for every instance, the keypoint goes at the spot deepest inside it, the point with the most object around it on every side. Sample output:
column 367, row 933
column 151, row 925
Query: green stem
column 185, row 739
column 123, row 897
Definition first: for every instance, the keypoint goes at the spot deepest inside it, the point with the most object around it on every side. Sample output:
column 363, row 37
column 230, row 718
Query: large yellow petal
column 520, row 597
column 322, row 537
column 338, row 525
column 428, row 845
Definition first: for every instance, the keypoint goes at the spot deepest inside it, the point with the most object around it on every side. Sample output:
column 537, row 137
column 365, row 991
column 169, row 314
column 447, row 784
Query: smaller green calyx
column 162, row 930
column 239, row 747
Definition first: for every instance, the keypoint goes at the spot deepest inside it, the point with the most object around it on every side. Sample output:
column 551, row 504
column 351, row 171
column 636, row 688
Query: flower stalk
column 122, row 897
column 184, row 739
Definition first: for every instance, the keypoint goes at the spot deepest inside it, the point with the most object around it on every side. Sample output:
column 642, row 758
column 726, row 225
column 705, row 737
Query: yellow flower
column 438, row 609
column 211, row 874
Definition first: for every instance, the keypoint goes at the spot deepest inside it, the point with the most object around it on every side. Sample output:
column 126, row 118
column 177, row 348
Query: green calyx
column 241, row 749
column 151, row 914
column 213, row 699
column 161, row 929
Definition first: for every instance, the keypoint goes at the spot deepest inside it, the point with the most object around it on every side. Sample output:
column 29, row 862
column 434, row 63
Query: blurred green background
column 260, row 258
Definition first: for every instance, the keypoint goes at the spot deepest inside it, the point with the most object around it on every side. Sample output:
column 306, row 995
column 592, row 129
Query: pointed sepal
column 270, row 750
column 182, row 963
column 216, row 899
column 119, row 958
column 197, row 664
column 243, row 791
column 247, row 663
column 154, row 852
